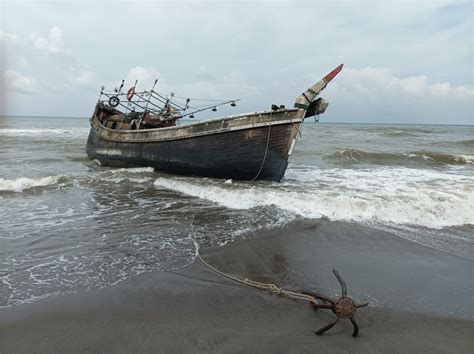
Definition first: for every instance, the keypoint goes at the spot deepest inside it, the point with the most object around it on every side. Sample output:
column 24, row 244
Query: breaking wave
column 397, row 133
column 389, row 130
column 23, row 183
column 385, row 158
column 132, row 170
column 468, row 143
column 383, row 195
column 44, row 132
column 121, row 175
column 117, row 180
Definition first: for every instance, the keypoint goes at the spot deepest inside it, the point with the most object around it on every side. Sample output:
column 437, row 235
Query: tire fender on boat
column 130, row 93
column 114, row 101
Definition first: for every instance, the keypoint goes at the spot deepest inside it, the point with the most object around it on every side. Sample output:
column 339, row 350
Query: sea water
column 68, row 224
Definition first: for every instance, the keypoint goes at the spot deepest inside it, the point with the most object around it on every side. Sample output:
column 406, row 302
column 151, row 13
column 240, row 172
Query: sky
column 404, row 61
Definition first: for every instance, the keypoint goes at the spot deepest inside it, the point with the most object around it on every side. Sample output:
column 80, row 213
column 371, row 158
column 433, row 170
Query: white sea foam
column 75, row 132
column 467, row 158
column 132, row 170
column 126, row 179
column 20, row 184
column 386, row 194
column 65, row 269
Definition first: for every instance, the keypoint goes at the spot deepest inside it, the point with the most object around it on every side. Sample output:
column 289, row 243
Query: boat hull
column 244, row 148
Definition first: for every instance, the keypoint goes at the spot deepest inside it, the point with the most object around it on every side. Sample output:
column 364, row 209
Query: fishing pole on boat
column 186, row 106
column 135, row 103
column 213, row 108
column 153, row 102
column 119, row 90
column 149, row 96
column 151, row 109
column 152, row 95
column 101, row 93
column 147, row 102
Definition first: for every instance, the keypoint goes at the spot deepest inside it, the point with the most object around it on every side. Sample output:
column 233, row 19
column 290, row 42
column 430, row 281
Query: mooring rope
column 343, row 307
column 266, row 149
column 256, row 284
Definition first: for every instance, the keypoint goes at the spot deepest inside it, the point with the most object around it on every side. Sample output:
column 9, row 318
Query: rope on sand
column 343, row 307
column 259, row 285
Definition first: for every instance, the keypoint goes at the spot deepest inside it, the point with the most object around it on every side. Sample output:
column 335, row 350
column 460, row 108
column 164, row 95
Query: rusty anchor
column 343, row 307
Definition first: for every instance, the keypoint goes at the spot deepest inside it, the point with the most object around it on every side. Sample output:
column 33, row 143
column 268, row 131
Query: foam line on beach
column 131, row 170
column 388, row 195
column 24, row 183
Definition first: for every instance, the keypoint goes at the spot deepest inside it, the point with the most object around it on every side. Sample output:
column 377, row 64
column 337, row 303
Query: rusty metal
column 343, row 307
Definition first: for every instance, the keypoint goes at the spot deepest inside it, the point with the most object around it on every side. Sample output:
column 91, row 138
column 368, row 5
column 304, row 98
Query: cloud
column 404, row 99
column 85, row 77
column 81, row 75
column 146, row 76
column 53, row 43
column 61, row 59
column 250, row 54
column 233, row 84
column 16, row 81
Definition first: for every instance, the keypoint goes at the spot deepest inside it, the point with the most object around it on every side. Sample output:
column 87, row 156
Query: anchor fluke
column 343, row 307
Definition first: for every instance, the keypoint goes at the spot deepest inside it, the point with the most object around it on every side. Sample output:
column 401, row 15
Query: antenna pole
column 121, row 86
column 149, row 95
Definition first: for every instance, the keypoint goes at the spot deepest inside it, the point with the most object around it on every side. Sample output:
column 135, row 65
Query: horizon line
column 324, row 122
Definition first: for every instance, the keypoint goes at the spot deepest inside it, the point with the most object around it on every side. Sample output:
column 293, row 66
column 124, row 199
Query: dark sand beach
column 421, row 301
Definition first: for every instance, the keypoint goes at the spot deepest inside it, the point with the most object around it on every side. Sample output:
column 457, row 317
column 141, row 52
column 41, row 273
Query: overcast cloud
column 405, row 61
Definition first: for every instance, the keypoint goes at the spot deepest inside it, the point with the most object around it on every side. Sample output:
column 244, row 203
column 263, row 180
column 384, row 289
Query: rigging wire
column 204, row 100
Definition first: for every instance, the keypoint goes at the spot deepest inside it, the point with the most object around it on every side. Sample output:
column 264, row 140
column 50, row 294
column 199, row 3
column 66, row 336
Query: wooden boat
column 143, row 131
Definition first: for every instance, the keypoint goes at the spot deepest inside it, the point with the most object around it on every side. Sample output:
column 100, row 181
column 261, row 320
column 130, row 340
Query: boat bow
column 306, row 101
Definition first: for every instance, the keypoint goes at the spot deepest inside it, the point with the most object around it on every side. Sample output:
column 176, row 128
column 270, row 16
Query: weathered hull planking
column 246, row 147
column 256, row 146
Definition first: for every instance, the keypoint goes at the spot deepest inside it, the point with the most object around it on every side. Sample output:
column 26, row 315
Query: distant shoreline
column 306, row 122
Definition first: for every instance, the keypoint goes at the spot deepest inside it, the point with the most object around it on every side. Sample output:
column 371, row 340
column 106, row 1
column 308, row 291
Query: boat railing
column 155, row 103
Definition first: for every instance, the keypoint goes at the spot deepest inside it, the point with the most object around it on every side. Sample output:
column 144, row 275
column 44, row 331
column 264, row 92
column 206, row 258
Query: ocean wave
column 132, row 175
column 443, row 158
column 382, row 195
column 122, row 175
column 462, row 143
column 23, row 183
column 117, row 180
column 397, row 133
column 387, row 158
column 131, row 170
column 410, row 131
column 43, row 132
column 469, row 143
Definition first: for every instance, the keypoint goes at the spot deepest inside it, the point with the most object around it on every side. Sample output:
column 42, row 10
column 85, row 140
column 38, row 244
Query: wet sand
column 420, row 301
